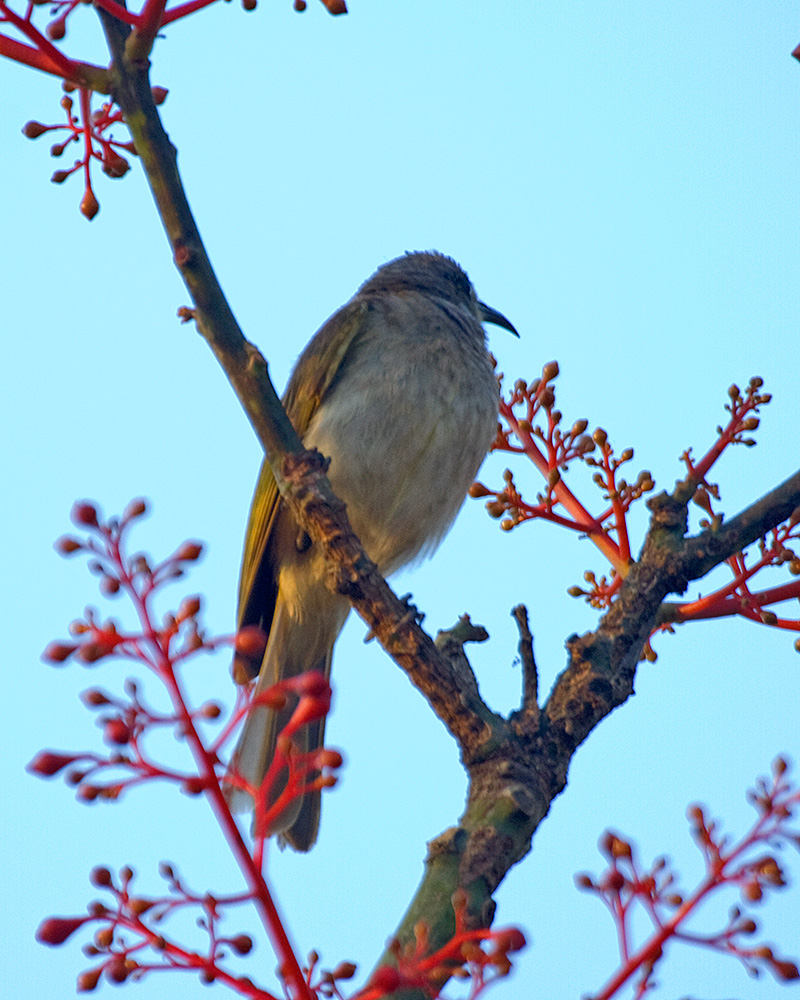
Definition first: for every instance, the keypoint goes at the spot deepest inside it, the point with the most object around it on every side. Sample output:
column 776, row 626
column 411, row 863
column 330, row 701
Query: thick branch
column 510, row 791
column 446, row 680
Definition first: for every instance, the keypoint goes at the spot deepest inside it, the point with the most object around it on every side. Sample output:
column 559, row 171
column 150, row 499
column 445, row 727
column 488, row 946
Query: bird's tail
column 293, row 648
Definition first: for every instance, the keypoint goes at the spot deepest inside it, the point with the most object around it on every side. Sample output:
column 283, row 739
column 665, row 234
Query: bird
column 397, row 389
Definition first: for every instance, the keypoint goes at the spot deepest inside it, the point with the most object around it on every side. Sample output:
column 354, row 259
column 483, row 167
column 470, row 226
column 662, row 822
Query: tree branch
column 510, row 790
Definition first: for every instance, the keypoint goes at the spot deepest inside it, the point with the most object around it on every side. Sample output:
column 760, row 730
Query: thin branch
column 183, row 9
column 44, row 56
column 530, row 675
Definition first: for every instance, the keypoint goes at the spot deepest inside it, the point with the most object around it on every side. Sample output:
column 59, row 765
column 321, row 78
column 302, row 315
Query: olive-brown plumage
column 398, row 390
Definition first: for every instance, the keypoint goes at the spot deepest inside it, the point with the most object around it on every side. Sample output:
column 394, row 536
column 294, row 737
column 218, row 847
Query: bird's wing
column 315, row 372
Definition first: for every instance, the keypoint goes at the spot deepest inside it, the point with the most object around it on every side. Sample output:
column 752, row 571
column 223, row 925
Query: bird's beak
column 489, row 315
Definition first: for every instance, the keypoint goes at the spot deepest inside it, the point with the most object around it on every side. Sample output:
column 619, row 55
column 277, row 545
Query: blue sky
column 621, row 181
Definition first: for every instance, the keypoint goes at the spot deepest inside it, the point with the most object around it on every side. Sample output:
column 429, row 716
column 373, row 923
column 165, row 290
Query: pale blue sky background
column 620, row 179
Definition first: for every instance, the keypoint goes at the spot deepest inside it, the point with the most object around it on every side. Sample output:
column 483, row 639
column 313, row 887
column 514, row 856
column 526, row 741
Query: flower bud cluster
column 625, row 883
column 90, row 132
column 129, row 938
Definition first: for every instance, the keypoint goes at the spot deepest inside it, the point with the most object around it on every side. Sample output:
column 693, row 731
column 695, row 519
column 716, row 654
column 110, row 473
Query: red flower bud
column 56, row 30
column 115, row 165
column 57, row 652
column 329, row 758
column 613, row 881
column 308, row 710
column 89, row 207
column 56, row 930
column 386, row 979
column 94, row 697
column 32, row 130
column 271, row 698
column 109, row 585
column 117, row 731
column 194, row 786
column 509, row 939
column 91, row 652
column 189, row 551
column 47, row 763
column 190, row 606
column 140, row 905
column 251, row 642
column 159, row 94
column 84, row 514
column 66, row 545
column 136, row 508
column 117, row 970
column 242, row 944
column 785, row 970
column 88, row 980
column 311, row 683
column 100, row 876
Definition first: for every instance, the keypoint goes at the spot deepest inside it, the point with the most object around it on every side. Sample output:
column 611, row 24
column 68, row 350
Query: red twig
column 30, row 56
column 118, row 11
column 65, row 66
column 154, row 648
column 163, row 646
column 624, row 885
column 184, row 9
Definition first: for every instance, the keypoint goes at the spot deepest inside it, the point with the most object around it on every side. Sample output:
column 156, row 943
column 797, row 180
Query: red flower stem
column 622, row 928
column 721, row 606
column 188, row 959
column 710, row 605
column 117, row 11
column 271, row 919
column 653, row 947
column 86, row 116
column 66, row 67
column 150, row 17
column 28, row 55
column 183, row 9
column 697, row 473
column 565, row 496
column 716, row 863
column 453, row 948
column 619, row 511
column 548, row 515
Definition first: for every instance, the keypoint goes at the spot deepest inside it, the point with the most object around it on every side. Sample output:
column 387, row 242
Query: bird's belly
column 405, row 479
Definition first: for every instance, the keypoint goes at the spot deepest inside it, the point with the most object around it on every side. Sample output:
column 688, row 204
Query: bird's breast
column 406, row 427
